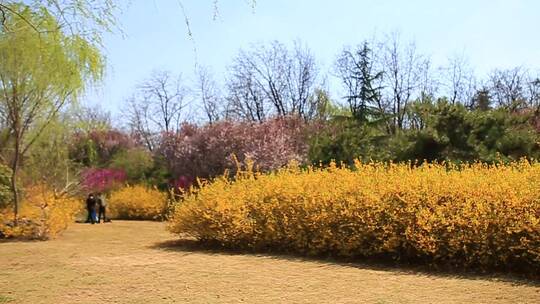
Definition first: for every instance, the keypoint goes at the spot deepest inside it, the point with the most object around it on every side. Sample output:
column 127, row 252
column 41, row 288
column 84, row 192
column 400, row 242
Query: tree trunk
column 14, row 189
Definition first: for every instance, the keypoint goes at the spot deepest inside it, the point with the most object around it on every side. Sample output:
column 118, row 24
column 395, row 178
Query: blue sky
column 492, row 34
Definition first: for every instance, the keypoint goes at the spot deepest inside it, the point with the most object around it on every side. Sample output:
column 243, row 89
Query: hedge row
column 473, row 216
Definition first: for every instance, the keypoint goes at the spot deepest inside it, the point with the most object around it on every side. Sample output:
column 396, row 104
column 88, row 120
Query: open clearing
column 134, row 262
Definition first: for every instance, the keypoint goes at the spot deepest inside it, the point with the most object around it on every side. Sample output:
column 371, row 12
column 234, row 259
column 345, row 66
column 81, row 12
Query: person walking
column 91, row 208
column 102, row 208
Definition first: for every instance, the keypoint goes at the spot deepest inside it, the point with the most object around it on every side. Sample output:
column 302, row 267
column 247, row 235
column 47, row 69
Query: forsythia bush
column 474, row 216
column 138, row 202
column 43, row 215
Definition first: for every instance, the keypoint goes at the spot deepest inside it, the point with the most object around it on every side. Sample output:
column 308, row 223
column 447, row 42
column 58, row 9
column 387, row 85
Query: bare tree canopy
column 458, row 80
column 508, row 87
column 272, row 80
column 158, row 106
column 207, row 91
column 91, row 118
column 404, row 71
column 245, row 98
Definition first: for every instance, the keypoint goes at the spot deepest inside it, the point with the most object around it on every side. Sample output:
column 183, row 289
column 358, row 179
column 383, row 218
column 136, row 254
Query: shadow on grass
column 19, row 240
column 187, row 245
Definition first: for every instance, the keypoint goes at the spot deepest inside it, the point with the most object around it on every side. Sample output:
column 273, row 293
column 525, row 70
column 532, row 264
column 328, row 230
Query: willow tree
column 89, row 18
column 42, row 69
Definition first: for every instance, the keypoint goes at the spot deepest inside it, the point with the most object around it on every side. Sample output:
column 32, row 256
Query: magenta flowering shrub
column 102, row 179
column 182, row 183
column 210, row 150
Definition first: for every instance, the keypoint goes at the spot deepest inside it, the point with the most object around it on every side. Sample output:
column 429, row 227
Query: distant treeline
column 274, row 107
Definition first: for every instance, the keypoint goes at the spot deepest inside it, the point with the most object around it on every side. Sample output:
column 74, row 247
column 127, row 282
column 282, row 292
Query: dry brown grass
column 138, row 262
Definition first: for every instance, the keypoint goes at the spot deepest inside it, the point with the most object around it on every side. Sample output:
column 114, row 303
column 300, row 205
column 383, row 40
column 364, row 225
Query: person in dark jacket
column 91, row 204
column 102, row 208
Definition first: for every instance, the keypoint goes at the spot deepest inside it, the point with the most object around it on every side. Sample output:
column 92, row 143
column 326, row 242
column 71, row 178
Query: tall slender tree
column 356, row 70
column 42, row 69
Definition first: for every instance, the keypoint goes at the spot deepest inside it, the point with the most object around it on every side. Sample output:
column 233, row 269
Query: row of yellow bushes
column 138, row 203
column 43, row 215
column 476, row 215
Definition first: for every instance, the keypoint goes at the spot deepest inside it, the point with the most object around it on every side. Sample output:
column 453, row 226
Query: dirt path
column 130, row 262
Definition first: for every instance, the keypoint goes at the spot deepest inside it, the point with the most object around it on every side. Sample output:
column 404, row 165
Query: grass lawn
column 134, row 262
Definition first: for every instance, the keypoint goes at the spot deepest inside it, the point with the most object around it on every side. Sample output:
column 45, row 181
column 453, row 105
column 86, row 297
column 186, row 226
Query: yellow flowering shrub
column 43, row 215
column 477, row 215
column 137, row 203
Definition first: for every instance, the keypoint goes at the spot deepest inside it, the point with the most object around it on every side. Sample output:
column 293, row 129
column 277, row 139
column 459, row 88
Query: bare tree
column 507, row 87
column 164, row 95
column 157, row 107
column 271, row 67
column 403, row 69
column 429, row 85
column 458, row 80
column 138, row 116
column 271, row 80
column 533, row 92
column 301, row 82
column 207, row 92
column 89, row 118
column 245, row 99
